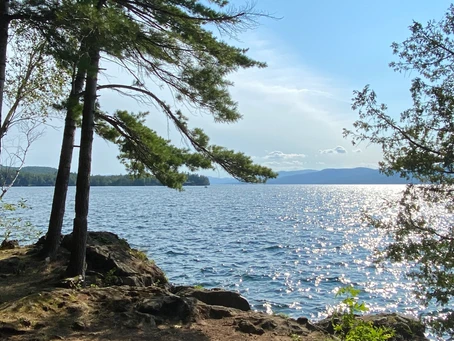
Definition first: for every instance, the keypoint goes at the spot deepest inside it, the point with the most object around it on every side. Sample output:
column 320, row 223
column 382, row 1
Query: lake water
column 285, row 248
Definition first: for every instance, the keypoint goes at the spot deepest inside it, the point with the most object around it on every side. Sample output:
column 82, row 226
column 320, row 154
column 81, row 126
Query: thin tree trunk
column 64, row 170
column 4, row 24
column 77, row 261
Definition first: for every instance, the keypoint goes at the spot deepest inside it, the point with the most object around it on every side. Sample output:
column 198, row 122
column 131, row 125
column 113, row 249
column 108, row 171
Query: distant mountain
column 230, row 181
column 223, row 181
column 341, row 176
column 327, row 176
column 283, row 174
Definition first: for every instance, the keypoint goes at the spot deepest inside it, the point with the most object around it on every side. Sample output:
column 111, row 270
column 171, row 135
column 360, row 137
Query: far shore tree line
column 51, row 55
column 27, row 178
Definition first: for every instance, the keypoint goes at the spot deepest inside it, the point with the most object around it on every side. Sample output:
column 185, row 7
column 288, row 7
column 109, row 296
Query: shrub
column 350, row 328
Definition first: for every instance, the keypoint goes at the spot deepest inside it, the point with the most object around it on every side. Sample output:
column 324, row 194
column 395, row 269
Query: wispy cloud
column 277, row 155
column 289, row 84
column 336, row 150
column 289, row 108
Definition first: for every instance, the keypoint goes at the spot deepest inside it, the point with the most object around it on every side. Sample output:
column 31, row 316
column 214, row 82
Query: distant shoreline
column 45, row 177
column 340, row 176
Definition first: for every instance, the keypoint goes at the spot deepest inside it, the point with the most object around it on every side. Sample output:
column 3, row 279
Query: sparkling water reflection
column 286, row 248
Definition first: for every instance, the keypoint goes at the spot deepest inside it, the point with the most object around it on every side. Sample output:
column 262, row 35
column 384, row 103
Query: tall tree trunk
column 64, row 169
column 4, row 24
column 77, row 261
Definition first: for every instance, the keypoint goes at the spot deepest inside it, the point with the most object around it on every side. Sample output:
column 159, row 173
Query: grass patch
column 139, row 254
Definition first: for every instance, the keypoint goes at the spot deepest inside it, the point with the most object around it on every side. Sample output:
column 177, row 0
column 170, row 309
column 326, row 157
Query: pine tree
column 169, row 42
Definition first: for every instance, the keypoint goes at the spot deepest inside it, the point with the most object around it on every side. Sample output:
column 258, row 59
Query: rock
column 245, row 326
column 112, row 257
column 78, row 326
column 327, row 324
column 169, row 306
column 146, row 318
column 406, row 327
column 41, row 241
column 302, row 320
column 25, row 322
column 9, row 244
column 39, row 325
column 8, row 329
column 73, row 309
column 119, row 305
column 11, row 265
column 214, row 311
column 218, row 312
column 218, row 297
column 137, row 320
column 71, row 282
column 269, row 325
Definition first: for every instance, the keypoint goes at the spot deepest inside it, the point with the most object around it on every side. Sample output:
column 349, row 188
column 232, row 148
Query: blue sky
column 294, row 110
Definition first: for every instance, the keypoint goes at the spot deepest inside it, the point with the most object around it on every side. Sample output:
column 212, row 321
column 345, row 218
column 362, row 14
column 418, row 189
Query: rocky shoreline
column 127, row 297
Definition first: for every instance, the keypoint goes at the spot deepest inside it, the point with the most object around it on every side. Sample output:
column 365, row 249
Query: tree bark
column 4, row 24
column 53, row 236
column 76, row 265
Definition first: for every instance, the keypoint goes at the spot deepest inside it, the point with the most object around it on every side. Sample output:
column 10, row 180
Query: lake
column 286, row 248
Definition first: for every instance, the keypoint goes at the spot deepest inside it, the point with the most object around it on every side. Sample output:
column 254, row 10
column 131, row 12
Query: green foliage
column 193, row 64
column 349, row 327
column 139, row 254
column 34, row 81
column 143, row 151
column 110, row 278
column 15, row 227
column 295, row 337
column 420, row 144
column 34, row 170
column 283, row 315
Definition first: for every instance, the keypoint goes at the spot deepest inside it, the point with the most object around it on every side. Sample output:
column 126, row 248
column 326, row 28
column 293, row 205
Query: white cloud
column 277, row 155
column 279, row 160
column 336, row 150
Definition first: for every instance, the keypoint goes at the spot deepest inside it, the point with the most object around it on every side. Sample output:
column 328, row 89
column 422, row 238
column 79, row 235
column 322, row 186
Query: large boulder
column 11, row 265
column 9, row 244
column 217, row 297
column 112, row 259
column 169, row 307
column 405, row 327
